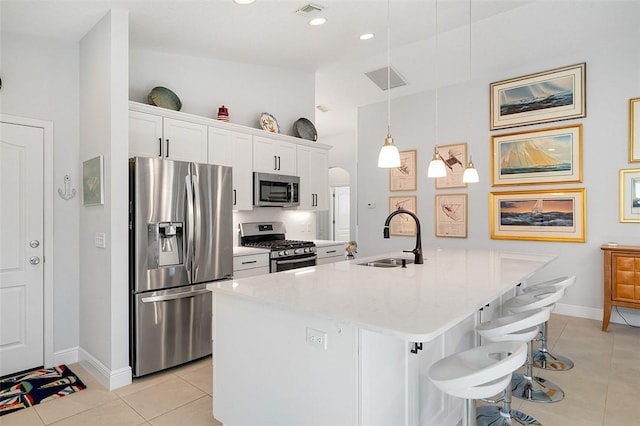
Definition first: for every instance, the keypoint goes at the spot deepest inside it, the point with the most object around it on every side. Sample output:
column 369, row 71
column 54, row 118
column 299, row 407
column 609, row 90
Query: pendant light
column 470, row 173
column 389, row 155
column 436, row 168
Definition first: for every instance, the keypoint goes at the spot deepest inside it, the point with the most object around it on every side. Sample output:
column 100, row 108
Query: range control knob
column 285, row 253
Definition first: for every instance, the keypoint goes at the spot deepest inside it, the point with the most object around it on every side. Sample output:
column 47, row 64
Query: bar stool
column 542, row 358
column 521, row 327
column 479, row 372
column 527, row 386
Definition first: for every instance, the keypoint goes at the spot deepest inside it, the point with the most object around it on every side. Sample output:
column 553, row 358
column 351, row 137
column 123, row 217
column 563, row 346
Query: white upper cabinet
column 163, row 137
column 235, row 149
column 313, row 172
column 274, row 156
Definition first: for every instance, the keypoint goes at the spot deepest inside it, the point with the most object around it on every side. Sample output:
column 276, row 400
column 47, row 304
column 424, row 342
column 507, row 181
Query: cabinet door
column 185, row 141
column 219, row 147
column 241, row 149
column 273, row 156
column 314, row 187
column 145, row 135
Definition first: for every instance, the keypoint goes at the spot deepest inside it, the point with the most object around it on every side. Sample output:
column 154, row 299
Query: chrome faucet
column 417, row 251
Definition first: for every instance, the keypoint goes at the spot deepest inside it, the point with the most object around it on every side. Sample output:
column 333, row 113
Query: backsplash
column 300, row 224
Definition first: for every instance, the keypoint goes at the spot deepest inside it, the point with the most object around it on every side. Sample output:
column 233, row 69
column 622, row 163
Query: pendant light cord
column 388, row 68
column 437, row 78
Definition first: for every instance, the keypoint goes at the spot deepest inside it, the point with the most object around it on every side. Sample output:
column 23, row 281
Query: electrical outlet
column 317, row 338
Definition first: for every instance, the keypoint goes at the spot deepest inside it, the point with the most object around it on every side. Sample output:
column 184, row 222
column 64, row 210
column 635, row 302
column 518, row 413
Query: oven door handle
column 299, row 260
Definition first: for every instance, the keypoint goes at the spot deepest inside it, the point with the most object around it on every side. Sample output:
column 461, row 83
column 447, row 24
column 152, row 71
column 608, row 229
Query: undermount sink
column 387, row 262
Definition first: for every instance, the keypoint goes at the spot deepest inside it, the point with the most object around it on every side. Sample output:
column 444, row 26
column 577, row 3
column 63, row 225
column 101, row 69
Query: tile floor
column 601, row 390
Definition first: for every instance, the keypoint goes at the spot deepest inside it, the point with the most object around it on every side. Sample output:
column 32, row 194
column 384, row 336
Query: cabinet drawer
column 250, row 261
column 330, row 251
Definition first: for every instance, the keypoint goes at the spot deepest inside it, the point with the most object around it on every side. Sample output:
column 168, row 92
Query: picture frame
column 455, row 160
column 93, row 181
column 404, row 178
column 630, row 195
column 403, row 225
column 553, row 95
column 451, row 215
column 634, row 130
column 541, row 215
column 544, row 156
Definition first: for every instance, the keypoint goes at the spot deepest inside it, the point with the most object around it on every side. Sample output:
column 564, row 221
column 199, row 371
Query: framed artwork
column 634, row 130
column 455, row 158
column 543, row 156
column 93, row 181
column 404, row 178
column 553, row 215
column 451, row 215
column 557, row 94
column 402, row 224
column 630, row 195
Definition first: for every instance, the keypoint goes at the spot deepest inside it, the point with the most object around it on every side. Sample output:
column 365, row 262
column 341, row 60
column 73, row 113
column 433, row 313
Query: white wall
column 602, row 34
column 104, row 332
column 40, row 80
column 203, row 84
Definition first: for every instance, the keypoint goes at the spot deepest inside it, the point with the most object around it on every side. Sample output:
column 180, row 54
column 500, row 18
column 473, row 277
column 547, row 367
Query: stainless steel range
column 285, row 254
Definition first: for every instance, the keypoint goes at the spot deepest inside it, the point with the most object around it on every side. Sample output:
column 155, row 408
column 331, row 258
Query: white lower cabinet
column 234, row 149
column 314, row 178
column 250, row 265
column 330, row 254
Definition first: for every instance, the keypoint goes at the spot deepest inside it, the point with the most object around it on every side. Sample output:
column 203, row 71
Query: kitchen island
column 347, row 344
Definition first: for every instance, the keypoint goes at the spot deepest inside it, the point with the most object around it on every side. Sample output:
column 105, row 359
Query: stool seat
column 479, row 372
column 516, row 327
column 538, row 298
column 565, row 282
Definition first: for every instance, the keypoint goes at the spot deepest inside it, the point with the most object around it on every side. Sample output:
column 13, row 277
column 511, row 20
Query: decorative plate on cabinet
column 305, row 129
column 269, row 123
column 164, row 98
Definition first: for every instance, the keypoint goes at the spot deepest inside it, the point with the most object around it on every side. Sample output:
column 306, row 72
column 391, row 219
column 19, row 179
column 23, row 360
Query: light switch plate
column 99, row 239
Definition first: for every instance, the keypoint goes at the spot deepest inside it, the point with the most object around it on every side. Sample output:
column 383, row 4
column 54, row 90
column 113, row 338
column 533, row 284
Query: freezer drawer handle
column 182, row 295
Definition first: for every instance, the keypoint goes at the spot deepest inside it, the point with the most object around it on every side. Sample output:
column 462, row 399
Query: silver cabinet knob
column 34, row 260
column 34, row 243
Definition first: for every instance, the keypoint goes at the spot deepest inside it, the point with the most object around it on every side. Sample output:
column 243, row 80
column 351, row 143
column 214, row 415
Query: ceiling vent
column 379, row 77
column 309, row 10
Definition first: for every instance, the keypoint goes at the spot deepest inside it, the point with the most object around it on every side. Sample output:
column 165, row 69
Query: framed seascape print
column 402, row 224
column 543, row 156
column 451, row 215
column 93, row 181
column 634, row 130
column 455, row 158
column 557, row 94
column 553, row 215
column 404, row 178
column 630, row 195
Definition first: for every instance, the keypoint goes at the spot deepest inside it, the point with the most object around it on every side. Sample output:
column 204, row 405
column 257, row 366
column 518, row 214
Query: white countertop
column 246, row 251
column 417, row 303
column 327, row 243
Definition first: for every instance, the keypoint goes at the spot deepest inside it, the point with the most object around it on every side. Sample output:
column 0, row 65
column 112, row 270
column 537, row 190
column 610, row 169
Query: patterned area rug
column 33, row 387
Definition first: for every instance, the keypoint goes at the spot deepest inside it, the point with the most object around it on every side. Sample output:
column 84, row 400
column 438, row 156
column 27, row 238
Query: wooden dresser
column 621, row 279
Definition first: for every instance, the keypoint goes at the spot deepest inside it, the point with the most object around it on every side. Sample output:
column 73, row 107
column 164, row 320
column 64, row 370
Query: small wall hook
column 67, row 195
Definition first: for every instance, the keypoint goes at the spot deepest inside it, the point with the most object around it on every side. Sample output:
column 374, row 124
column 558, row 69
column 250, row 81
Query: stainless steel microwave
column 271, row 190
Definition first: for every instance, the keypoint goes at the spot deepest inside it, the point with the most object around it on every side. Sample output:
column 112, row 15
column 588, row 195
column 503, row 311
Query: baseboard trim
column 109, row 379
column 67, row 356
column 596, row 314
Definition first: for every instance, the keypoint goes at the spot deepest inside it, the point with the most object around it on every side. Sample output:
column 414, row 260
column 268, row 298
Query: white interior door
column 341, row 213
column 21, row 247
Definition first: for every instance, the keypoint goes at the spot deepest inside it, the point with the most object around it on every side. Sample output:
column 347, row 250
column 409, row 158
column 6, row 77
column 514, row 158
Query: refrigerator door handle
column 197, row 215
column 175, row 296
column 189, row 194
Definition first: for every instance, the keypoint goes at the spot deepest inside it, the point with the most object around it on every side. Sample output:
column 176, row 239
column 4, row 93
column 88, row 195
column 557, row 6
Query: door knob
column 34, row 243
column 34, row 260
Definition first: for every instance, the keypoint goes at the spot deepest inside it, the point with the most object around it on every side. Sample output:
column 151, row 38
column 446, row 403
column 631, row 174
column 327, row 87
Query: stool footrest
column 493, row 416
column 535, row 389
column 548, row 361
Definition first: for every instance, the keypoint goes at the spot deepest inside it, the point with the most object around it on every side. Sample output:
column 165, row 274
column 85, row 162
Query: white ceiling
column 268, row 32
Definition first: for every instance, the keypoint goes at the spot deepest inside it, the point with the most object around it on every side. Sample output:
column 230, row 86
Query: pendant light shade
column 389, row 155
column 436, row 166
column 470, row 173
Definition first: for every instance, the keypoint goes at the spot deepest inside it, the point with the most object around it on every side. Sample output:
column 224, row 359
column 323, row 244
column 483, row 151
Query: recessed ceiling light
column 243, row 1
column 317, row 21
column 367, row 36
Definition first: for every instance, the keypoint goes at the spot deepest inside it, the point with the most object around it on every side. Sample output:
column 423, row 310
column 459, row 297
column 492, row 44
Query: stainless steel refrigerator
column 180, row 238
